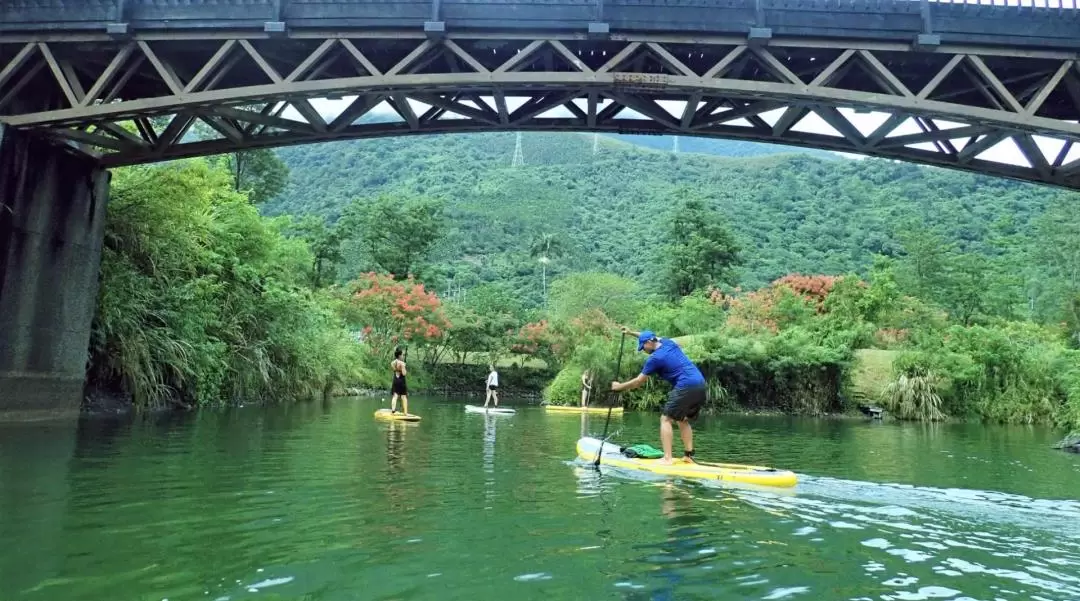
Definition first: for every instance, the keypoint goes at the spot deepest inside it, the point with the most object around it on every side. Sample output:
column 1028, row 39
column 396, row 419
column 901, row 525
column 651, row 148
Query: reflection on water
column 322, row 502
column 396, row 432
column 489, row 458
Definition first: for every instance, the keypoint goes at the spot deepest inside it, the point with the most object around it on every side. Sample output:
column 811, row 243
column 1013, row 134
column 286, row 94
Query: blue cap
column 643, row 338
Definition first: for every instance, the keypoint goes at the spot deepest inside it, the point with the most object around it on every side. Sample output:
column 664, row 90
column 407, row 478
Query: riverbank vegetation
column 203, row 301
column 777, row 275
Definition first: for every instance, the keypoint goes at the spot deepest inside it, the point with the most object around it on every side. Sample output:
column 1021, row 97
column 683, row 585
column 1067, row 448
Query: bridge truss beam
column 157, row 97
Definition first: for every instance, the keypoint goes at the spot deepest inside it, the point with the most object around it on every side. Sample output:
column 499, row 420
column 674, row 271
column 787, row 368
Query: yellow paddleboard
column 401, row 417
column 578, row 409
column 725, row 472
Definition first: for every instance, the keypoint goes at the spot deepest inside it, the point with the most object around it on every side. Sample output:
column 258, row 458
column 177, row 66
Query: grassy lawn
column 873, row 370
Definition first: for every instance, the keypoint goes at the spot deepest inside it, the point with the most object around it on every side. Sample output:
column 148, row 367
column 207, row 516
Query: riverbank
column 100, row 403
column 734, row 389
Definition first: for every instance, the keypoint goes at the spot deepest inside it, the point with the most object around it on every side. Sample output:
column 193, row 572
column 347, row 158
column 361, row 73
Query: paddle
column 611, row 403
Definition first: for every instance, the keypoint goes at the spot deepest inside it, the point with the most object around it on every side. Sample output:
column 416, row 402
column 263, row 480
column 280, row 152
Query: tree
column 488, row 299
column 536, row 340
column 259, row 172
column 398, row 235
column 1057, row 249
column 325, row 243
column 575, row 294
column 701, row 251
column 545, row 247
column 475, row 332
column 199, row 300
column 926, row 255
column 390, row 312
column 976, row 287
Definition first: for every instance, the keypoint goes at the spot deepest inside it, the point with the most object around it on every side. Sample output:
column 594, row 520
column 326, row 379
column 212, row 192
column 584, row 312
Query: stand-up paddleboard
column 699, row 470
column 579, row 409
column 496, row 410
column 401, row 417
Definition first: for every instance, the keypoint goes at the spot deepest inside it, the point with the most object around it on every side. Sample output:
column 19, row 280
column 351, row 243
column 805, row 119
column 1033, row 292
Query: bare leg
column 666, row 436
column 687, row 435
column 495, row 396
column 393, row 402
column 405, row 403
column 487, row 397
column 584, row 394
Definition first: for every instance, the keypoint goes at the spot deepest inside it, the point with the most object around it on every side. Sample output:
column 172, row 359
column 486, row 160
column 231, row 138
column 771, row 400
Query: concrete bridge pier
column 52, row 226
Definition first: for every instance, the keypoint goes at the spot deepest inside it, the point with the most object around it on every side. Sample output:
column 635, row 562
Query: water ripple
column 323, row 502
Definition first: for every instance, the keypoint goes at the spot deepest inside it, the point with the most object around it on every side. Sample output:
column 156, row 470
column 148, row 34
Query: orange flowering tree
column 814, row 288
column 391, row 313
column 786, row 300
column 753, row 312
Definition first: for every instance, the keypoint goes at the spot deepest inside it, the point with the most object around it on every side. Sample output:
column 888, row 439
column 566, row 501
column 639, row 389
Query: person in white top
column 492, row 386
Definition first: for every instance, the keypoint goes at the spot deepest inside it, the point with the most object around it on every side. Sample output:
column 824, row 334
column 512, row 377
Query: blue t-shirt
column 670, row 363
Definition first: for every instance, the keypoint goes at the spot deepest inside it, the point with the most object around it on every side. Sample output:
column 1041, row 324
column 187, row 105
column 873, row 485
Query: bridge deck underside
column 1046, row 24
column 166, row 96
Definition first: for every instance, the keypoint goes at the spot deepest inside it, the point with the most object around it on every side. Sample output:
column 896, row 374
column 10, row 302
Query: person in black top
column 398, row 386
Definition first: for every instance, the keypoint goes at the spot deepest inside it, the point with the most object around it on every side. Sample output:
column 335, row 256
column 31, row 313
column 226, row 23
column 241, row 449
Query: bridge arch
column 133, row 98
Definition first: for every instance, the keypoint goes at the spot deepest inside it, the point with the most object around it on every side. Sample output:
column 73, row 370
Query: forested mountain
column 792, row 212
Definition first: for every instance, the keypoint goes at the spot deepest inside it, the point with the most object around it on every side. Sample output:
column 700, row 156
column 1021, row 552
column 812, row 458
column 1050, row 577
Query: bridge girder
column 136, row 100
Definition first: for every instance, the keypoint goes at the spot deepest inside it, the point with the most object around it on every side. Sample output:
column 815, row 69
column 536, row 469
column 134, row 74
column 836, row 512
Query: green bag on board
column 642, row 451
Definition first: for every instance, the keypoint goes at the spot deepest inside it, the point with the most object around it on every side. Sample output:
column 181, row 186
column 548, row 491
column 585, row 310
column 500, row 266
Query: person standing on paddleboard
column 492, row 386
column 398, row 387
column 667, row 360
column 586, row 386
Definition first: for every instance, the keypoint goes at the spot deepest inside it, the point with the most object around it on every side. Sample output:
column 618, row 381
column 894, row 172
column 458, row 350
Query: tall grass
column 201, row 299
column 1004, row 372
column 913, row 396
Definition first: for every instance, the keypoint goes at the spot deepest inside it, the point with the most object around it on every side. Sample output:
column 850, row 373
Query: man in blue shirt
column 687, row 396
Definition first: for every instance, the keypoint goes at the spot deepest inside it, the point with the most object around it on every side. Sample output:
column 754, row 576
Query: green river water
column 322, row 502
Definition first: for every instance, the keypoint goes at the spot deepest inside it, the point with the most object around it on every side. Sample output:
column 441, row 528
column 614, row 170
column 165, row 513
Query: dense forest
column 275, row 275
column 790, row 212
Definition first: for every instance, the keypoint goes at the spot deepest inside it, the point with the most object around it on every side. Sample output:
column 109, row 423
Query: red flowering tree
column 390, row 312
column 554, row 342
column 587, row 326
column 535, row 340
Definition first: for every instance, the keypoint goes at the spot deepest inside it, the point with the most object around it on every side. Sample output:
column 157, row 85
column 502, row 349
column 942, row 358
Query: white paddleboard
column 481, row 409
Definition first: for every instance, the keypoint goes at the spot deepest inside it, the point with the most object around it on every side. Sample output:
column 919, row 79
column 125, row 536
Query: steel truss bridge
column 934, row 83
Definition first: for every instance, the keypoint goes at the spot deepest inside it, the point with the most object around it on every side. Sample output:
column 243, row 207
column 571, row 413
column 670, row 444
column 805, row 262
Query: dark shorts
column 398, row 386
column 490, row 387
column 684, row 403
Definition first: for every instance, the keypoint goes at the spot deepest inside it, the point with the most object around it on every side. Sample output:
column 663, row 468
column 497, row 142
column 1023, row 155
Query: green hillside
column 718, row 147
column 791, row 212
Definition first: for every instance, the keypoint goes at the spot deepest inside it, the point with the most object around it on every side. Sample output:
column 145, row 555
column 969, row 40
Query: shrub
column 201, row 302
